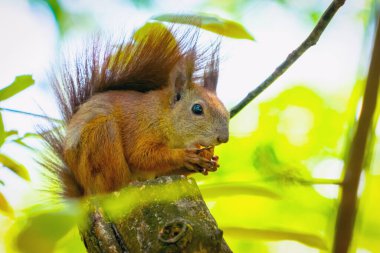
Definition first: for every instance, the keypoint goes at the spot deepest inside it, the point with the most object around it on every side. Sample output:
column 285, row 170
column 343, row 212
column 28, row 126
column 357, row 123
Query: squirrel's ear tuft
column 211, row 71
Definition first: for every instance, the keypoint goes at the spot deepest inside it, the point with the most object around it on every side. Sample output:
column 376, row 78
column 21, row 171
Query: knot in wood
column 178, row 232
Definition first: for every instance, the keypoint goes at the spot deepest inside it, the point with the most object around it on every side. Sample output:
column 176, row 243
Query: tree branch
column 166, row 214
column 311, row 40
column 355, row 162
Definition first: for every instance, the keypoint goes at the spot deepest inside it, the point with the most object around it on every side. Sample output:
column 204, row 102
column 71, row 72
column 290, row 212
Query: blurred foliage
column 65, row 19
column 5, row 207
column 20, row 83
column 44, row 230
column 276, row 234
column 44, row 227
column 210, row 23
column 142, row 3
column 368, row 224
column 296, row 129
column 61, row 15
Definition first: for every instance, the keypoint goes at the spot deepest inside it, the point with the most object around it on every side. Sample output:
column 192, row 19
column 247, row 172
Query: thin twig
column 29, row 114
column 311, row 181
column 358, row 150
column 311, row 40
column 321, row 181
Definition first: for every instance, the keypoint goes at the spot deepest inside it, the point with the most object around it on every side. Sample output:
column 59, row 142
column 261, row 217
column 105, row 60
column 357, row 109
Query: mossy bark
column 178, row 222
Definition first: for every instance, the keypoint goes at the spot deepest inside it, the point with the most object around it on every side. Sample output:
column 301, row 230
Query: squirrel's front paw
column 198, row 160
column 208, row 153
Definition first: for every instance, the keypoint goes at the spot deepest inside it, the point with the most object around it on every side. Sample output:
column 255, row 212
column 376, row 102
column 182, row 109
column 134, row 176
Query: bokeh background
column 277, row 189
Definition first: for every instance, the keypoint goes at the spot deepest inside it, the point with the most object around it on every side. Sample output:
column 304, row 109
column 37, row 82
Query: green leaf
column 30, row 135
column 22, row 143
column 17, row 137
column 5, row 207
column 16, row 167
column 275, row 235
column 19, row 84
column 210, row 23
column 239, row 188
column 10, row 133
column 2, row 131
column 44, row 230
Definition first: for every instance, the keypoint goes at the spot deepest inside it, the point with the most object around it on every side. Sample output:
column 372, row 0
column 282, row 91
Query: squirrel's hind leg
column 101, row 164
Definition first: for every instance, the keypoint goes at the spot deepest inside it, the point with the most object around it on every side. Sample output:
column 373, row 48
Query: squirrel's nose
column 222, row 134
column 222, row 138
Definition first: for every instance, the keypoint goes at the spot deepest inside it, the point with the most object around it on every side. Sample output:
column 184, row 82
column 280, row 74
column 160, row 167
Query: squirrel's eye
column 197, row 109
column 177, row 97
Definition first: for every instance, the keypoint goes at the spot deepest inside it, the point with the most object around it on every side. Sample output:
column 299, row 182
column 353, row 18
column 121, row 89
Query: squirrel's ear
column 180, row 82
column 177, row 80
column 181, row 76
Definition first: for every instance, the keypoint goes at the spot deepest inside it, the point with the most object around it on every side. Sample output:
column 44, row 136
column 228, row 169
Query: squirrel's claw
column 215, row 158
column 195, row 161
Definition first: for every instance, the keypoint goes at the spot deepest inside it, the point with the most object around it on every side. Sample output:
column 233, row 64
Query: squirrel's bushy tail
column 142, row 63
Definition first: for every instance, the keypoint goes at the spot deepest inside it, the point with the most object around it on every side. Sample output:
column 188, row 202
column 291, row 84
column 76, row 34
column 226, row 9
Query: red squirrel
column 136, row 111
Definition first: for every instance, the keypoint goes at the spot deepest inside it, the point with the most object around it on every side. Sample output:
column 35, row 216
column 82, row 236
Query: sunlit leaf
column 44, row 230
column 239, row 188
column 71, row 242
column 19, row 84
column 5, row 207
column 210, row 23
column 11, row 133
column 276, row 235
column 2, row 131
column 16, row 167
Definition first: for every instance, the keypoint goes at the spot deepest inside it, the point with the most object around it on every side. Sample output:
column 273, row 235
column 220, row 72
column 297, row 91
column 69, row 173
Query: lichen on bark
column 166, row 214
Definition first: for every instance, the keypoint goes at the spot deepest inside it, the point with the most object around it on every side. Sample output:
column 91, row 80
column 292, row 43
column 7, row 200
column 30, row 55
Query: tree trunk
column 167, row 214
